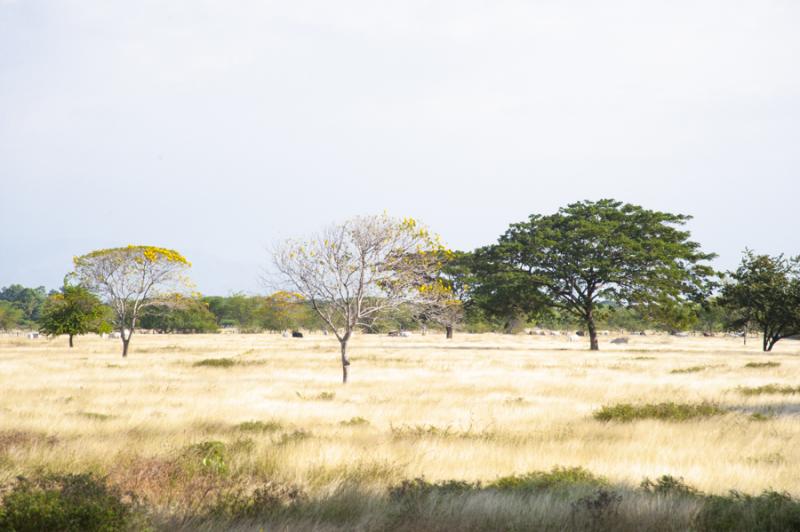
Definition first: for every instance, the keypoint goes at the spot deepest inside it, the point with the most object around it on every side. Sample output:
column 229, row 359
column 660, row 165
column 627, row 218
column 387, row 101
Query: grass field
column 188, row 421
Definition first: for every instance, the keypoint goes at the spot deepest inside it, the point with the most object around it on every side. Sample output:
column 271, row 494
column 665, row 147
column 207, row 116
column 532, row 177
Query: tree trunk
column 125, row 347
column 345, row 361
column 449, row 332
column 593, row 345
column 70, row 340
column 765, row 341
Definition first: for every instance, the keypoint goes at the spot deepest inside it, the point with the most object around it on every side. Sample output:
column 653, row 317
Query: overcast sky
column 219, row 127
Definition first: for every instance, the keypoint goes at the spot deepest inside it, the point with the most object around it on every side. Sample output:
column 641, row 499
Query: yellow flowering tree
column 353, row 271
column 132, row 278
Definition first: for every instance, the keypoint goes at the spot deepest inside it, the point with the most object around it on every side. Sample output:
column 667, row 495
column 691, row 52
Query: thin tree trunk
column 449, row 332
column 765, row 341
column 345, row 361
column 70, row 340
column 125, row 347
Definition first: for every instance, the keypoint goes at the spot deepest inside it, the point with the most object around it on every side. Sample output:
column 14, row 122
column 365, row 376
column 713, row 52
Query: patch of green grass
column 769, row 389
column 215, row 363
column 694, row 369
column 357, row 421
column 626, row 412
column 260, row 426
column 669, row 485
column 757, row 365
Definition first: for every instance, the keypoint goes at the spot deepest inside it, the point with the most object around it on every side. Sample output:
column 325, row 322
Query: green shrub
column 669, row 485
column 208, row 456
column 626, row 412
column 266, row 500
column 216, row 363
column 260, row 426
column 762, row 364
column 417, row 489
column 772, row 389
column 769, row 512
column 556, row 478
column 66, row 503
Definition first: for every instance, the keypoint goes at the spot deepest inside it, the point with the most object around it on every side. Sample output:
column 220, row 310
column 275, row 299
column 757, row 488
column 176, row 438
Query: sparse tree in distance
column 130, row 279
column 593, row 252
column 448, row 292
column 764, row 291
column 359, row 269
column 73, row 311
column 283, row 310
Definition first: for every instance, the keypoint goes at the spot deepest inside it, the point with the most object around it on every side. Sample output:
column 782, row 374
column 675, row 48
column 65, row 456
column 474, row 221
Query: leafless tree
column 354, row 271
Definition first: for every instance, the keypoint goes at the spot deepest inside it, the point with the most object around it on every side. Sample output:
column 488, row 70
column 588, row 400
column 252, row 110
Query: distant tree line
column 589, row 266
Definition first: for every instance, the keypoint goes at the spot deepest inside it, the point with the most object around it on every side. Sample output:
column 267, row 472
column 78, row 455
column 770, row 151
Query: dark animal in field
column 297, row 334
column 619, row 341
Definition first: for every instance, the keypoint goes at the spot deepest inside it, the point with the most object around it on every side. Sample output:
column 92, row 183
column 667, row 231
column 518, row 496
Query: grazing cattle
column 580, row 333
column 680, row 334
column 708, row 334
column 297, row 334
column 620, row 340
column 574, row 338
column 33, row 335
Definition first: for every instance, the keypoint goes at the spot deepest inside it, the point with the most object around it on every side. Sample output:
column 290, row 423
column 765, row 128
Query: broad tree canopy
column 132, row 278
column 591, row 252
column 764, row 291
column 73, row 311
column 355, row 270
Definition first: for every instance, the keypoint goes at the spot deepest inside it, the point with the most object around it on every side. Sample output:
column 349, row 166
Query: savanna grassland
column 500, row 432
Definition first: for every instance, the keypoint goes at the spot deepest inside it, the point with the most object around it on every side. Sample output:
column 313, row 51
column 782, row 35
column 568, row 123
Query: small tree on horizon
column 590, row 252
column 130, row 279
column 73, row 311
column 356, row 270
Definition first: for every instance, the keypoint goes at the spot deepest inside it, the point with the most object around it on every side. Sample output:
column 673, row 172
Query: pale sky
column 220, row 127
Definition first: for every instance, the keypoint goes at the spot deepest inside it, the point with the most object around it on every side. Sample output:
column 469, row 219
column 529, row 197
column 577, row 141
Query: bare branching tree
column 132, row 278
column 356, row 270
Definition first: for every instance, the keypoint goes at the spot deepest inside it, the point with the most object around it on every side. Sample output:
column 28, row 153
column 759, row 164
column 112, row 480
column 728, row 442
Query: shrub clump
column 67, row 503
column 771, row 511
column 626, row 412
column 206, row 456
column 669, row 485
column 267, row 500
column 556, row 478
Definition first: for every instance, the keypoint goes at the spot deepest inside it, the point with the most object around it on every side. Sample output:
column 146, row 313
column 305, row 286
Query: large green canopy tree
column 764, row 291
column 593, row 252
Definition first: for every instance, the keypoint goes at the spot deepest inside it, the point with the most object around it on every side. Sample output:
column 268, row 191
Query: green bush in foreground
column 80, row 503
column 769, row 512
column 626, row 412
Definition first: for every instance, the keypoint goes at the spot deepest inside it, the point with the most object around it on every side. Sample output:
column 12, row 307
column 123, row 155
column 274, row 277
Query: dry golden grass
column 474, row 408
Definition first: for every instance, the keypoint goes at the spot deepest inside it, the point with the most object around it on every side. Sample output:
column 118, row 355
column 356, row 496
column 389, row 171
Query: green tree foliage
column 284, row 310
column 764, row 292
column 28, row 301
column 590, row 252
column 10, row 316
column 183, row 315
column 73, row 311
